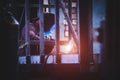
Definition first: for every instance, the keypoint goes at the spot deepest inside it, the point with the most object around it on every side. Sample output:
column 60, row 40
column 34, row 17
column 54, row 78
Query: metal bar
column 41, row 24
column 49, row 5
column 85, row 43
column 27, row 37
column 69, row 12
column 58, row 57
column 69, row 22
column 78, row 26
column 90, row 32
column 35, row 5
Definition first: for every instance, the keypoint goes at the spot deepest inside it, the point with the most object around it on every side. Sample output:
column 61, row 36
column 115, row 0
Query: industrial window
column 45, row 2
column 74, row 4
column 45, row 9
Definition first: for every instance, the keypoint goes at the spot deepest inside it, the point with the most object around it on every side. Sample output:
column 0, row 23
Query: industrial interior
column 77, row 41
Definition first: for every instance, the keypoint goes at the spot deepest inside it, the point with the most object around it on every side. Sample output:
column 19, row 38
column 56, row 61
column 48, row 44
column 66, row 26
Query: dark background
column 9, row 44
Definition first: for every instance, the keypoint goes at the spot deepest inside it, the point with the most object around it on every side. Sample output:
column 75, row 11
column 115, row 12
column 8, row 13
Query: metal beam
column 58, row 56
column 41, row 31
column 85, row 34
column 27, row 38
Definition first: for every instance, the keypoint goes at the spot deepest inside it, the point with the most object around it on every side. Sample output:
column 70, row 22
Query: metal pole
column 69, row 12
column 27, row 37
column 90, row 32
column 78, row 27
column 85, row 34
column 58, row 56
column 41, row 27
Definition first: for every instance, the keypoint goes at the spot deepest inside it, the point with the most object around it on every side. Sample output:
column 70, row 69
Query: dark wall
column 9, row 43
column 110, row 65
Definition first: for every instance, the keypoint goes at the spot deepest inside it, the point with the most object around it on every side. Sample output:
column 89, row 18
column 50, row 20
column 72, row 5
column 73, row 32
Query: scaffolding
column 80, row 33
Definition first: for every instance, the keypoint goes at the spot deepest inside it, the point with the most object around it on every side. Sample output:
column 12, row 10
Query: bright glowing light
column 67, row 48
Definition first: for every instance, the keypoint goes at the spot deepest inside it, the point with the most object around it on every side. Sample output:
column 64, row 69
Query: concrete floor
column 55, row 72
